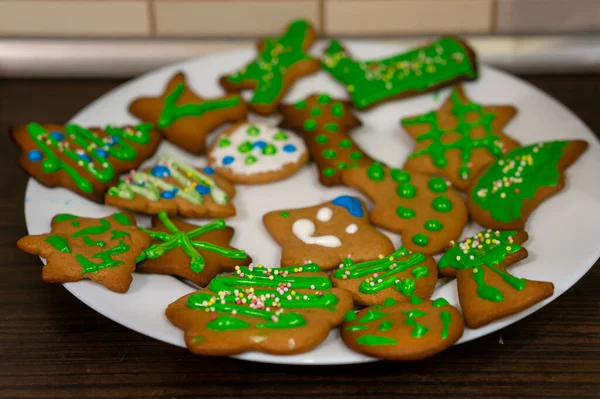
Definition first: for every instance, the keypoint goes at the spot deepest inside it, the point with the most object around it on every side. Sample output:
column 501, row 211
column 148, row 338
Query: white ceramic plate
column 564, row 230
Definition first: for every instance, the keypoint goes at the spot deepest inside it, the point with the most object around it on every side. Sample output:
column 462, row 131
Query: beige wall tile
column 548, row 15
column 382, row 17
column 74, row 18
column 231, row 17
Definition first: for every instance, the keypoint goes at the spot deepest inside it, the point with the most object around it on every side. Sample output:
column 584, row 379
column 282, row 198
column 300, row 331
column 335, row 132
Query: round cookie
column 410, row 330
column 255, row 153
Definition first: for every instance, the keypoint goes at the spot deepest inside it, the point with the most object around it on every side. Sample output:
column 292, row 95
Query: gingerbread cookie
column 410, row 330
column 425, row 210
column 397, row 276
column 102, row 250
column 280, row 62
column 184, row 117
column 254, row 153
column 505, row 193
column 196, row 253
column 485, row 290
column 279, row 311
column 85, row 161
column 327, row 233
column 174, row 187
column 371, row 82
column 325, row 123
column 460, row 139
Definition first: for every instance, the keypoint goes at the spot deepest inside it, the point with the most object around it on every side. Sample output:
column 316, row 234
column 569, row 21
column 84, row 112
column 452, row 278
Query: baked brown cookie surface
column 176, row 188
column 185, row 118
column 327, row 233
column 279, row 311
column 103, row 250
column 196, row 253
column 410, row 330
column 86, row 161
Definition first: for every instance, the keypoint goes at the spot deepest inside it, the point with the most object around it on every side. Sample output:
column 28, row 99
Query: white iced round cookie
column 253, row 153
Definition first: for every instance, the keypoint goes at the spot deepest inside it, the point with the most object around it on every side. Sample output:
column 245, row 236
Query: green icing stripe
column 59, row 243
column 375, row 340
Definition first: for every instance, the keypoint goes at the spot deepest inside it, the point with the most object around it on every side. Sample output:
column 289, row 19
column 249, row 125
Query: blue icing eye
column 209, row 171
column 202, row 189
column 58, row 136
column 228, row 160
column 167, row 194
column 160, row 171
column 101, row 153
column 351, row 204
column 84, row 157
column 35, row 155
column 259, row 144
column 289, row 148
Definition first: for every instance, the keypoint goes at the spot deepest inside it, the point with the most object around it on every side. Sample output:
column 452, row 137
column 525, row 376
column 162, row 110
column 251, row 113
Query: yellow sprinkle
column 487, row 241
column 508, row 248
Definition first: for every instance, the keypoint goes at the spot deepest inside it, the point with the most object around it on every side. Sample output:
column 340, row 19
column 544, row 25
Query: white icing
column 304, row 230
column 351, row 228
column 264, row 163
column 324, row 214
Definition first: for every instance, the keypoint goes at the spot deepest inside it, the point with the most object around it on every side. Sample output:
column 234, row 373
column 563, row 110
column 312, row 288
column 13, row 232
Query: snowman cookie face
column 255, row 153
column 327, row 233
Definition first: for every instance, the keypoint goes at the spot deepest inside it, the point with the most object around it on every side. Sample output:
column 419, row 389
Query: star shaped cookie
column 185, row 118
column 459, row 139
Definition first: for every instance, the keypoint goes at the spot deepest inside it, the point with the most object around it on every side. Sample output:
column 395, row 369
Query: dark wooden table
column 53, row 346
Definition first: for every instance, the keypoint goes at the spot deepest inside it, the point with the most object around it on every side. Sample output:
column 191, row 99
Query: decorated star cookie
column 196, row 253
column 397, row 276
column 425, row 210
column 327, row 233
column 254, row 153
column 325, row 123
column 102, row 250
column 505, row 193
column 410, row 330
column 184, row 117
column 280, row 62
column 280, row 311
column 436, row 65
column 485, row 290
column 87, row 161
column 174, row 187
column 458, row 140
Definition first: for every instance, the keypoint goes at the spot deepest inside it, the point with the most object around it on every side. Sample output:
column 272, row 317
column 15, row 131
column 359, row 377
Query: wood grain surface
column 53, row 346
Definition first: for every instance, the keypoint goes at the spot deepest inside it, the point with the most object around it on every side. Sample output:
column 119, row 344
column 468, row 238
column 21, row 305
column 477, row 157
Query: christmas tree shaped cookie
column 458, row 140
column 325, row 123
column 425, row 210
column 280, row 62
column 410, row 330
column 280, row 311
column 486, row 291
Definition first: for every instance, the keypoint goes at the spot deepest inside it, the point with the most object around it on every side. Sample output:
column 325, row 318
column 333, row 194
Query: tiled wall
column 238, row 18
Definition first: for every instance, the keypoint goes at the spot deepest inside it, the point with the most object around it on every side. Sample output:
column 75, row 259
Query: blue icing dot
column 35, row 155
column 175, row 190
column 228, row 160
column 260, row 144
column 84, row 157
column 160, row 171
column 167, row 194
column 58, row 136
column 101, row 153
column 115, row 139
column 289, row 148
column 351, row 204
column 209, row 171
column 202, row 190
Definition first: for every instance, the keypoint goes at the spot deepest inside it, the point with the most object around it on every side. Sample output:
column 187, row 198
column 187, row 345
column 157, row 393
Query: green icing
column 516, row 177
column 357, row 328
column 64, row 216
column 437, row 185
column 389, row 301
column 105, row 257
column 372, row 315
column 380, row 274
column 172, row 111
column 419, row 330
column 369, row 82
column 436, row 135
column 406, row 286
column 350, row 315
column 177, row 238
column 89, row 152
column 102, row 228
column 276, row 57
column 375, row 340
column 385, row 326
column 376, row 172
column 92, row 243
column 446, row 318
column 420, row 240
column 59, row 243
column 438, row 303
column 442, row 204
column 121, row 218
column 434, row 225
column 227, row 323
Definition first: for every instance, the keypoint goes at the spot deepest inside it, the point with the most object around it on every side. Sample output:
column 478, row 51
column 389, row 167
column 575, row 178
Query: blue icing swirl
column 289, row 148
column 84, row 157
column 35, row 155
column 58, row 136
column 167, row 194
column 209, row 171
column 228, row 160
column 101, row 153
column 160, row 171
column 202, row 189
column 261, row 144
column 351, row 204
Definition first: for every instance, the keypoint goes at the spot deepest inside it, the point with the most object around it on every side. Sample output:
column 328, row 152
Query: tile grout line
column 321, row 12
column 494, row 16
column 152, row 17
